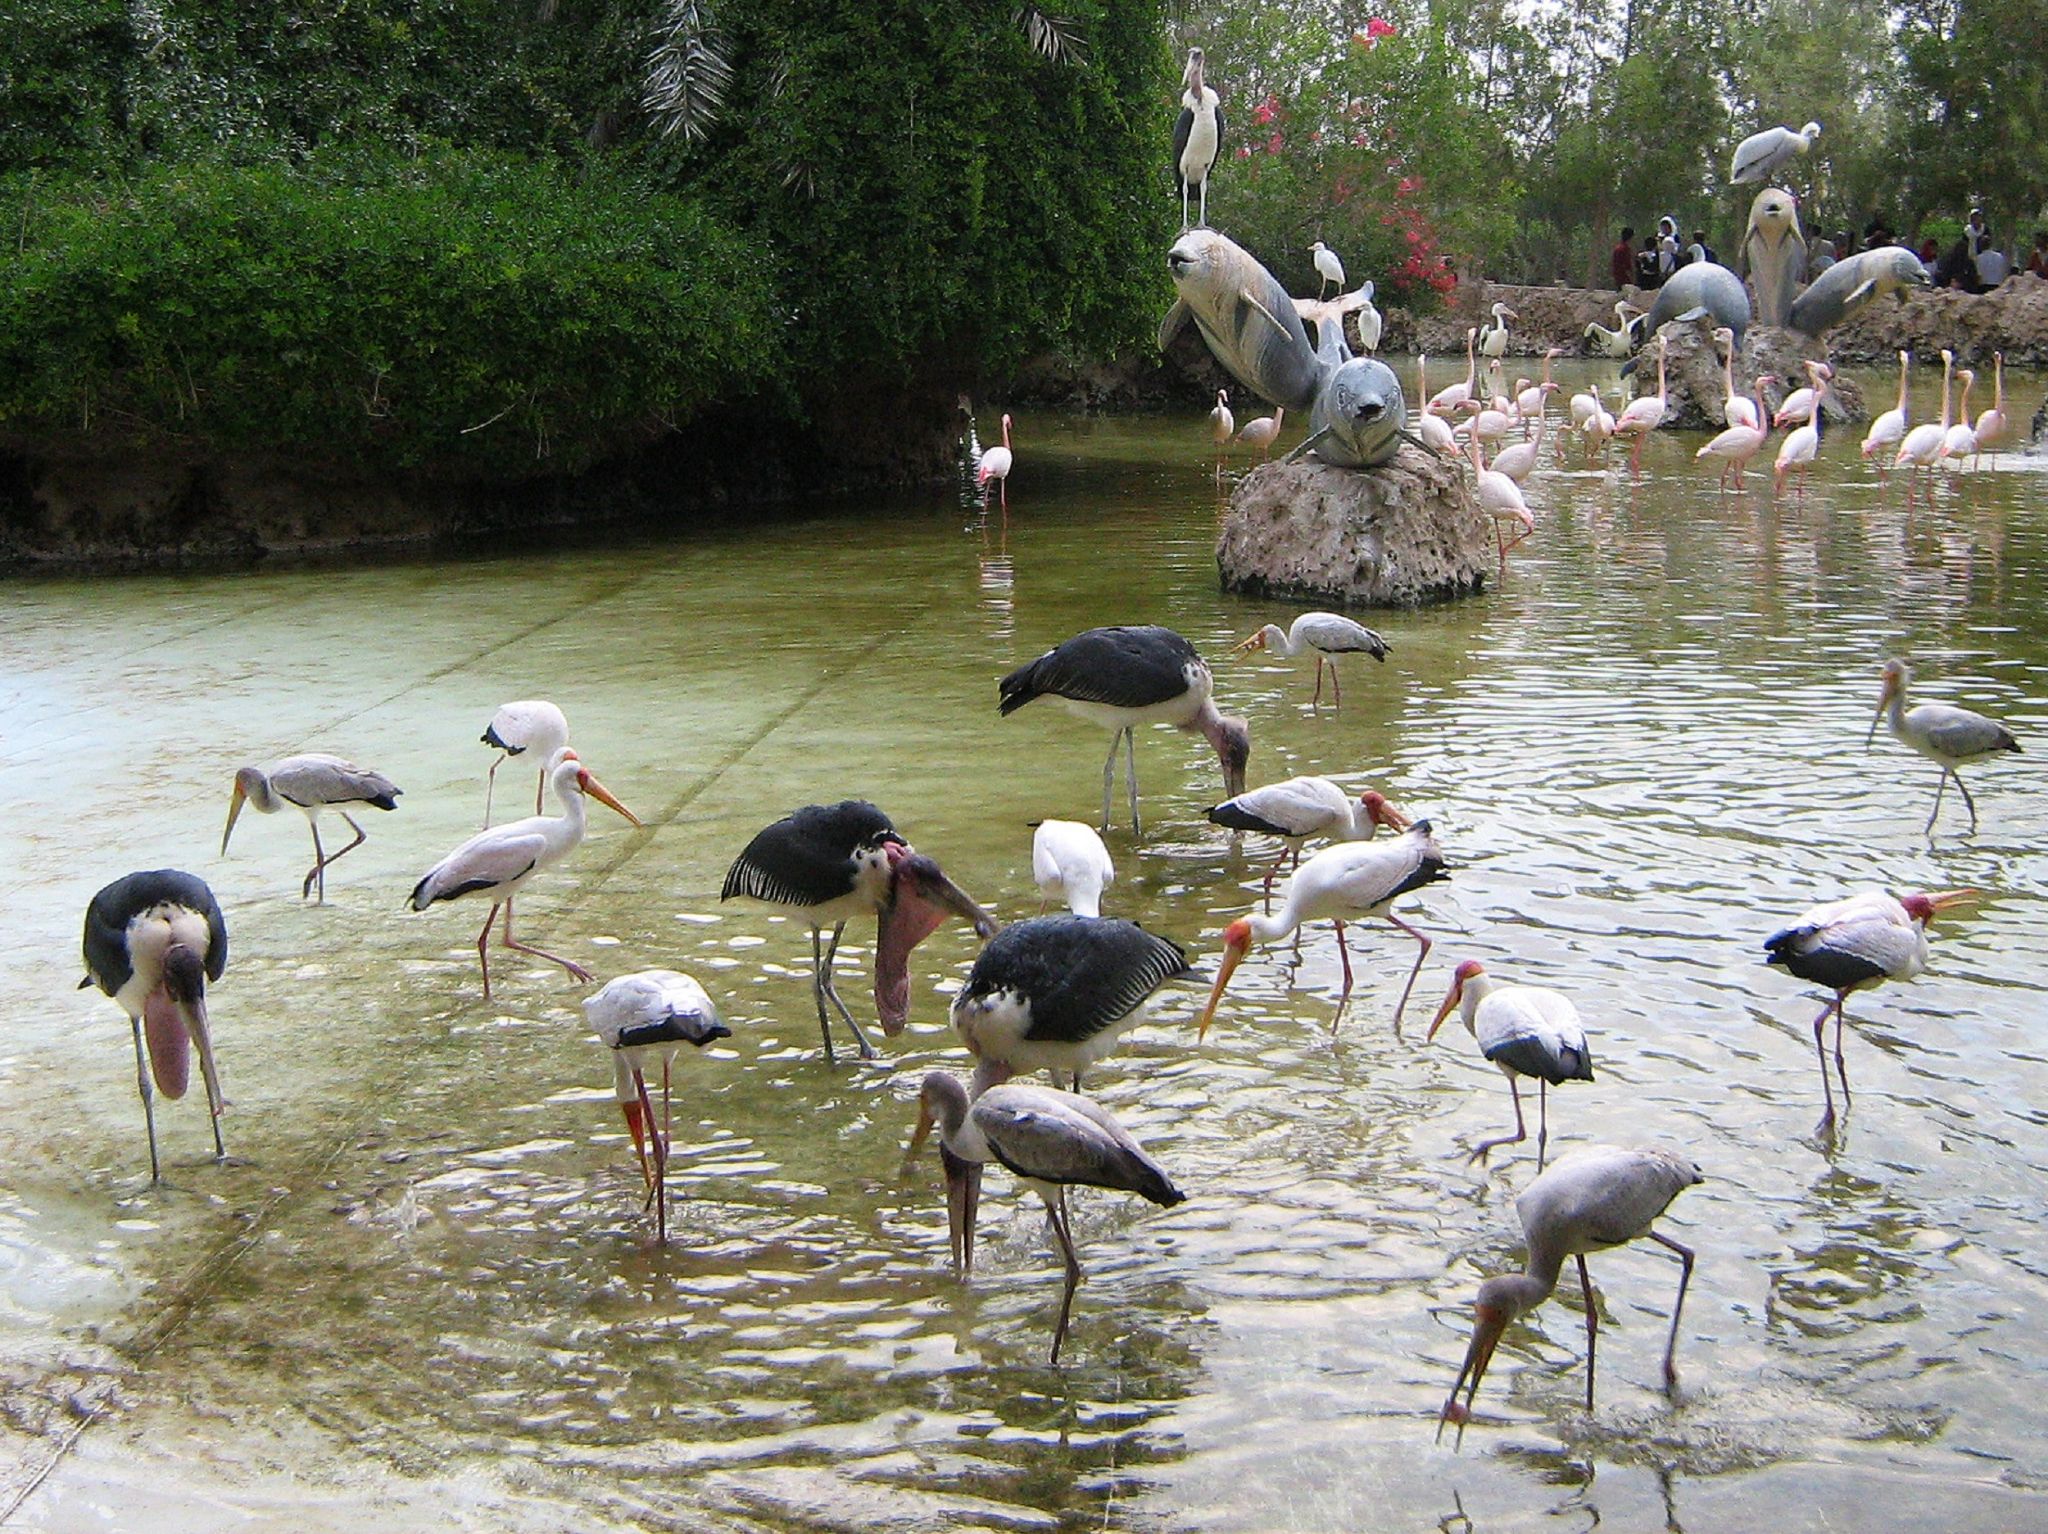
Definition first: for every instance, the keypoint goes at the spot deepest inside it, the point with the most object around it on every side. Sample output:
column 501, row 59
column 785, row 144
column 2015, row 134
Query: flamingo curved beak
column 1488, row 1324
column 603, row 795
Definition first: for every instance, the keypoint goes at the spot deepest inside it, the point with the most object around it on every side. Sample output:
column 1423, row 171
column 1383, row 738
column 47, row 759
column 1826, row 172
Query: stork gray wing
column 1183, row 126
column 1131, row 667
column 1958, row 732
column 315, row 778
column 1604, row 1196
column 1060, row 1137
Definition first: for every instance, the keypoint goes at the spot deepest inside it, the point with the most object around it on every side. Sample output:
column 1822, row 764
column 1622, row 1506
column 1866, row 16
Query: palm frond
column 688, row 72
column 1054, row 38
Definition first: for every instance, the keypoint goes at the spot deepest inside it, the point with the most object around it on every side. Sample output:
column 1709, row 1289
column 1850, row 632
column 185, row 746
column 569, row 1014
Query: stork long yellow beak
column 603, row 795
column 234, row 810
column 1942, row 900
column 1450, row 1005
column 1487, row 1326
column 1246, row 646
column 925, row 1122
column 1235, row 946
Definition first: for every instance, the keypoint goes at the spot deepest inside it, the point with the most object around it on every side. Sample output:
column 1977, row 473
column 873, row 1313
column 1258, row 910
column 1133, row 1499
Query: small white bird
column 1327, row 634
column 1526, row 1030
column 311, row 781
column 1260, row 433
column 499, row 861
column 533, row 728
column 645, row 1018
column 1328, row 268
column 1797, row 407
column 1371, row 324
column 1493, row 339
column 1960, row 440
column 1944, row 734
column 1070, row 863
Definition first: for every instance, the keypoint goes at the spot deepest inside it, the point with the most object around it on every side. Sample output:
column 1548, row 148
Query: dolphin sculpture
column 1357, row 416
column 1774, row 253
column 1693, row 292
column 1848, row 287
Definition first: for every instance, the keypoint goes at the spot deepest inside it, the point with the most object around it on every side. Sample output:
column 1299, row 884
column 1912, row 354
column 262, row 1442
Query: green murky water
column 424, row 1296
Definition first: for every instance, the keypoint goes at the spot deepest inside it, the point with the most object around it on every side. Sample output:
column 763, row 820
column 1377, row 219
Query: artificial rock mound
column 1693, row 387
column 1396, row 536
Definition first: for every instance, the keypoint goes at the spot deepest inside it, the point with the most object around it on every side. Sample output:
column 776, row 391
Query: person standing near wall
column 1621, row 261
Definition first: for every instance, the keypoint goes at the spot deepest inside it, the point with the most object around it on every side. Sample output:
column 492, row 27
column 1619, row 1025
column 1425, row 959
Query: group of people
column 1660, row 255
column 1973, row 262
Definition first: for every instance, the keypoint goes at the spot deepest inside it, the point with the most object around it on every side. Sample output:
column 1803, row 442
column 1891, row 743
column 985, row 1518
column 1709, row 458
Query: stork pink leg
column 1424, row 941
column 540, row 953
column 1827, row 1119
column 1592, row 1326
column 658, row 1193
column 1344, row 955
column 1481, row 1150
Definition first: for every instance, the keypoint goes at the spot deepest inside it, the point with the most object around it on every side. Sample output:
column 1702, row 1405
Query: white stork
column 1121, row 678
column 532, row 726
column 1355, row 881
column 832, row 862
column 1526, row 1030
column 1851, row 945
column 499, row 861
column 1052, row 1140
column 152, row 941
column 1197, row 136
column 1493, row 339
column 312, row 782
column 1599, row 1198
column 1328, row 634
column 1941, row 732
column 643, row 1018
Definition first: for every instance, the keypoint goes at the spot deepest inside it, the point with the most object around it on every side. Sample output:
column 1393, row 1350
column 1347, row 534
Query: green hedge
column 467, row 312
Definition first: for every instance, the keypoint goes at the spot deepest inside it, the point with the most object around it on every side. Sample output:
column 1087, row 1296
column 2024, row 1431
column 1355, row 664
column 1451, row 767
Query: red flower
column 1377, row 29
column 1266, row 110
column 1275, row 144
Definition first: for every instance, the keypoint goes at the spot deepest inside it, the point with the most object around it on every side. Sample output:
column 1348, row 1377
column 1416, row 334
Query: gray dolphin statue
column 1848, row 287
column 1693, row 292
column 1357, row 415
column 1774, row 253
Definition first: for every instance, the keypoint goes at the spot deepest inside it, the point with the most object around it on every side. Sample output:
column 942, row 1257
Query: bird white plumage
column 1328, row 267
column 1070, row 863
column 1525, row 1030
column 533, row 728
column 1941, row 732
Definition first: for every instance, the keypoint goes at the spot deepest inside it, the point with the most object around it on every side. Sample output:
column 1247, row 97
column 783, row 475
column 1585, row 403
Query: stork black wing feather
column 1183, row 127
column 1132, row 667
column 1080, row 973
column 806, row 858
column 110, row 911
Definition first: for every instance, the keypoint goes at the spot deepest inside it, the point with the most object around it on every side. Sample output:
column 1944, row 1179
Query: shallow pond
column 423, row 1294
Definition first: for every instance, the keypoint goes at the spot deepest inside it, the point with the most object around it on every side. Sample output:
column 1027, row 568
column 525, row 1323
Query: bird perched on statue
column 1197, row 136
column 1328, row 268
column 1762, row 155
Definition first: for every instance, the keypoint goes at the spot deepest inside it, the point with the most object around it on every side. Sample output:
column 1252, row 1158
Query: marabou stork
column 1941, row 732
column 1056, row 992
column 643, row 1018
column 500, row 860
column 312, row 782
column 1328, row 634
column 531, row 725
column 1852, row 945
column 1588, row 1202
column 832, row 862
column 1526, row 1030
column 1355, row 881
column 1052, row 1140
column 1121, row 678
column 1197, row 136
column 152, row 941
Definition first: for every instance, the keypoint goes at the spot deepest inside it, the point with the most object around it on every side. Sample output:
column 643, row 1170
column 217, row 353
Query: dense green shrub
column 462, row 311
